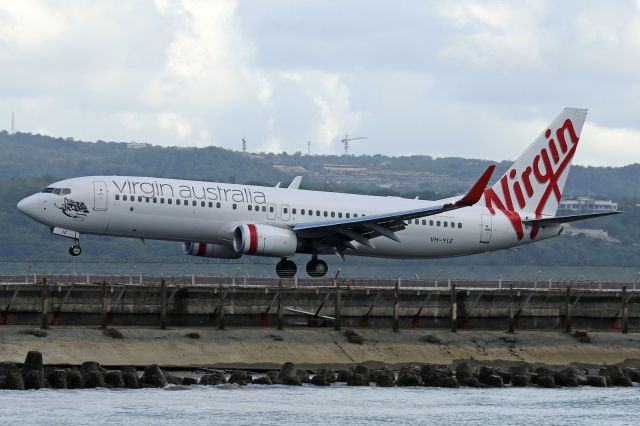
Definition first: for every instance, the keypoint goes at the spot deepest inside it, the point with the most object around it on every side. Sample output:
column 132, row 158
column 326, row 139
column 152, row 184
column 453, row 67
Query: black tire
column 75, row 250
column 317, row 268
column 286, row 269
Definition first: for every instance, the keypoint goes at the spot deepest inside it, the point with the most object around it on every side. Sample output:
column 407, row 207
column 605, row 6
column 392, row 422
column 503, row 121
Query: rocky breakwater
column 34, row 374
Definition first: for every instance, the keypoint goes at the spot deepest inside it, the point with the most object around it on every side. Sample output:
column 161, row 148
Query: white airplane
column 221, row 220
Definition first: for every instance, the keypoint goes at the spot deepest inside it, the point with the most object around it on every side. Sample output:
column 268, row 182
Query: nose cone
column 28, row 206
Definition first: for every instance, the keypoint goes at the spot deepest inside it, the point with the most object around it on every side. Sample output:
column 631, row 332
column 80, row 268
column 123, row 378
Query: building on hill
column 587, row 205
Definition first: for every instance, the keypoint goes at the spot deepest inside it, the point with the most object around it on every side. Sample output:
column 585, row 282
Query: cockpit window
column 57, row 191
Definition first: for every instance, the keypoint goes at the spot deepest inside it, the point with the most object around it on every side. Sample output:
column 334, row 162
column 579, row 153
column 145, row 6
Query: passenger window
column 348, row 215
column 445, row 224
column 202, row 204
column 147, row 199
column 177, row 202
column 317, row 212
column 257, row 208
column 194, row 203
column 417, row 222
column 264, row 209
column 161, row 200
column 438, row 223
column 250, row 207
column 293, row 211
column 301, row 211
column 459, row 225
column 333, row 214
column 355, row 215
column 124, row 198
column 155, row 200
column 217, row 205
column 326, row 213
column 339, row 214
column 169, row 201
column 117, row 196
column 285, row 210
column 210, row 204
column 453, row 225
column 424, row 223
column 235, row 206
column 139, row 198
column 430, row 223
column 270, row 209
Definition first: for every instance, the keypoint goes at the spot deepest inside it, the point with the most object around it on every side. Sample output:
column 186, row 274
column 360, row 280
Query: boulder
column 273, row 375
column 597, row 381
column 362, row 370
column 58, row 379
column 437, row 376
column 544, row 371
column 92, row 374
column 355, row 379
column 343, row 375
column 494, row 380
column 188, row 381
column 520, row 370
column 615, row 374
column 288, row 375
column 582, row 336
column 546, row 381
column 304, row 376
column 491, row 377
column 33, row 371
column 214, row 378
column 571, row 377
column 450, row 382
column 385, row 378
column 632, row 373
column 463, row 372
column 263, row 380
column 408, row 377
column 520, row 381
column 11, row 376
column 471, row 382
column 353, row 337
column 324, row 377
column 114, row 379
column 172, row 379
column 130, row 377
column 74, row 378
column 153, row 376
column 240, row 377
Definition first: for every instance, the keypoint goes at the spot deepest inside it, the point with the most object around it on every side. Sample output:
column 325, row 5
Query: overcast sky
column 477, row 79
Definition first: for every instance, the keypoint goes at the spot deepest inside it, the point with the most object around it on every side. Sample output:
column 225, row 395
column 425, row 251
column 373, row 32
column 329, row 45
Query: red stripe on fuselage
column 202, row 249
column 253, row 238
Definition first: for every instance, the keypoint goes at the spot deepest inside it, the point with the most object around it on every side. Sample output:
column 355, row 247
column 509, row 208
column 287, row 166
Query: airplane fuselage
column 209, row 212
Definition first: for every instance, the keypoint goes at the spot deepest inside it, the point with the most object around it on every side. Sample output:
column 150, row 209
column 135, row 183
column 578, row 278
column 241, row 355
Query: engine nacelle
column 210, row 250
column 264, row 240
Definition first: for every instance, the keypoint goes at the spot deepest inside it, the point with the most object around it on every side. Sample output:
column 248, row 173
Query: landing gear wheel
column 286, row 268
column 75, row 250
column 317, row 268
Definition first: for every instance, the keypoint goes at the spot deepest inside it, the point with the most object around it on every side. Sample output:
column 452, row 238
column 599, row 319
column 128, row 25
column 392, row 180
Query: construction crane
column 346, row 141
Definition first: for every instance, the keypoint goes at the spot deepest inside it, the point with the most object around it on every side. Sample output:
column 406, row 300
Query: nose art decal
column 73, row 209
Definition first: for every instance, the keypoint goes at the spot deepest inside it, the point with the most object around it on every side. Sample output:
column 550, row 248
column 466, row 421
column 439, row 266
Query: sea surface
column 310, row 405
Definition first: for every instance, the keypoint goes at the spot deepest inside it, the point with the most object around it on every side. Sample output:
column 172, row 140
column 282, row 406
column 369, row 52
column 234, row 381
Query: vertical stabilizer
column 533, row 185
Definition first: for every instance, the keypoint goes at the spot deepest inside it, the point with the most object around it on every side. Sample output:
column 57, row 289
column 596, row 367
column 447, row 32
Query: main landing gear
column 286, row 268
column 75, row 249
column 316, row 268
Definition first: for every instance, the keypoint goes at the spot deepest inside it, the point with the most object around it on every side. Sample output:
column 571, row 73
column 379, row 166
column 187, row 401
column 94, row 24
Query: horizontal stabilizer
column 566, row 219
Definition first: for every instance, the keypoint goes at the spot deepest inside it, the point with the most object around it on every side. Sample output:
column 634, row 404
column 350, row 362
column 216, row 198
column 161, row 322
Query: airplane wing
column 566, row 219
column 340, row 233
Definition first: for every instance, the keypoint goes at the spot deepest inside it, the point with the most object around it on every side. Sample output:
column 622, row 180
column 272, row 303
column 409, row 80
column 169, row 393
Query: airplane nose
column 28, row 206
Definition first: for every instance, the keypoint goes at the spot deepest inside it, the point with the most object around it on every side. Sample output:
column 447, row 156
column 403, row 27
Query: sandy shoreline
column 268, row 348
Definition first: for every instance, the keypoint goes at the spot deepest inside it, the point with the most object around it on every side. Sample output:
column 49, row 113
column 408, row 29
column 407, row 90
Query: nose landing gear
column 286, row 268
column 75, row 249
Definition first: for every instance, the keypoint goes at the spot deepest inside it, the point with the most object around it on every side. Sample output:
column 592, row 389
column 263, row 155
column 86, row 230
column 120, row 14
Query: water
column 309, row 405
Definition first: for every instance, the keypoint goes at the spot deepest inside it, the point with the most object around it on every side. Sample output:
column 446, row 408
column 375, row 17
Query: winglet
column 295, row 183
column 475, row 193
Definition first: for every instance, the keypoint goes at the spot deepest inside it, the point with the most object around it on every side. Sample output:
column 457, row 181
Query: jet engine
column 264, row 240
column 210, row 250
